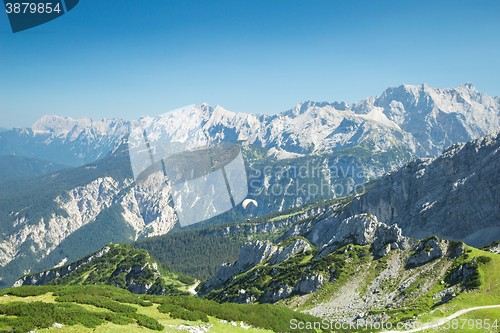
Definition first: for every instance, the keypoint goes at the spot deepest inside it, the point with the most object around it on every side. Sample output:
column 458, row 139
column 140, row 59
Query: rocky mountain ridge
column 64, row 140
column 437, row 118
column 45, row 277
column 387, row 269
column 455, row 196
column 368, row 139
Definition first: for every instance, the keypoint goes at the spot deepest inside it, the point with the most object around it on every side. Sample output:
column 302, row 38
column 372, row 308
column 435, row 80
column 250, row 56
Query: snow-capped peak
column 59, row 126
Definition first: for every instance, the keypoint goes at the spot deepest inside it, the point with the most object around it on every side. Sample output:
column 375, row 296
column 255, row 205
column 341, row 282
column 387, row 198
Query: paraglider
column 249, row 206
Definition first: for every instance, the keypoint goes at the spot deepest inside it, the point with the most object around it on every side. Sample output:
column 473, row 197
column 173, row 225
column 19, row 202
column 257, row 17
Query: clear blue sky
column 126, row 58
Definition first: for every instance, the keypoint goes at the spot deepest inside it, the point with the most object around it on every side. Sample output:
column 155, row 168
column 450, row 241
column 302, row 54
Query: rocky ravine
column 82, row 206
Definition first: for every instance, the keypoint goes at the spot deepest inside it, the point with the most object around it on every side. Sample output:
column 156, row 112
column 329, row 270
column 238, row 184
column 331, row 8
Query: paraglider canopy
column 246, row 202
column 249, row 206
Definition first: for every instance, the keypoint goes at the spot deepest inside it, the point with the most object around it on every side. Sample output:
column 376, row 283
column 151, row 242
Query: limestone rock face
column 146, row 207
column 82, row 206
column 272, row 296
column 462, row 272
column 458, row 250
column 285, row 253
column 310, row 284
column 455, row 196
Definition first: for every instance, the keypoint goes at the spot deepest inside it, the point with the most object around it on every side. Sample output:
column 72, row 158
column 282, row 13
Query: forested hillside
column 19, row 167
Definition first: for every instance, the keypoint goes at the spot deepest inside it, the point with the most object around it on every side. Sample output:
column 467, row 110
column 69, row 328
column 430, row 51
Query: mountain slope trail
column 444, row 320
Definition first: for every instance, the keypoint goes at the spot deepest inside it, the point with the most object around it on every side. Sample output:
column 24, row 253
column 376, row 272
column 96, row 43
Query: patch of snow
column 377, row 114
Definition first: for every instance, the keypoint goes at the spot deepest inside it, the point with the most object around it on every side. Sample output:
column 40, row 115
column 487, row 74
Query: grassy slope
column 79, row 313
column 487, row 294
column 424, row 308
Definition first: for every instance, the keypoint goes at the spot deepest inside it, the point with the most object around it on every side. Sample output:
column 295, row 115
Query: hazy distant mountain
column 64, row 140
column 17, row 166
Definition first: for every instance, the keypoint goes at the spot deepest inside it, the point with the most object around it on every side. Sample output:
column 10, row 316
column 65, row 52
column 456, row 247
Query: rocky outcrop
column 307, row 285
column 253, row 254
column 272, row 296
column 429, row 250
column 286, row 252
column 461, row 273
column 364, row 229
column 310, row 283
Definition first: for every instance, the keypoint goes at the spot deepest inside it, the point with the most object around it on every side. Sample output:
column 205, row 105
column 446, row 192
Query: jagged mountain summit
column 437, row 118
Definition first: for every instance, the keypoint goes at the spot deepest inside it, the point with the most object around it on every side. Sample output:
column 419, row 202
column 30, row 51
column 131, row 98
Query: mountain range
column 55, row 218
column 425, row 120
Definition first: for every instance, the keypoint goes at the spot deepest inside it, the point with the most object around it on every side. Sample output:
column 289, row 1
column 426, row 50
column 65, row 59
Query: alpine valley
column 382, row 211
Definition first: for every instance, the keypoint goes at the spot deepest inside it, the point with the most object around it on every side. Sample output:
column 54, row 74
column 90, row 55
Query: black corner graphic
column 70, row 4
column 25, row 15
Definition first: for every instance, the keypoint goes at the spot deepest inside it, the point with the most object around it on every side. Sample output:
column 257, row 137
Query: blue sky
column 124, row 59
